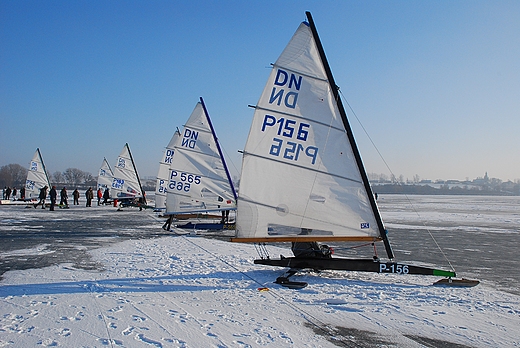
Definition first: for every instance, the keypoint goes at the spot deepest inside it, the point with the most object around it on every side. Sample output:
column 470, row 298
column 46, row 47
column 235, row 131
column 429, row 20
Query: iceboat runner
column 303, row 180
column 127, row 190
column 199, row 184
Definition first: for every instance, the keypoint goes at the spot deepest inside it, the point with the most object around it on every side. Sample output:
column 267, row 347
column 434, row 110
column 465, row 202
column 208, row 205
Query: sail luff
column 136, row 174
column 219, row 149
column 350, row 136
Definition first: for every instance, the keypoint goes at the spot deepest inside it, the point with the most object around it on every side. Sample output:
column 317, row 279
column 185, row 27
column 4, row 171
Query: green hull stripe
column 441, row 273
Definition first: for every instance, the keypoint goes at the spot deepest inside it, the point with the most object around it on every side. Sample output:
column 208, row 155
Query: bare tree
column 13, row 175
column 57, row 177
column 74, row 176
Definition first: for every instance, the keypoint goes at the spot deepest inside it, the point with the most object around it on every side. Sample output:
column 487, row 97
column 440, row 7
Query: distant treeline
column 443, row 190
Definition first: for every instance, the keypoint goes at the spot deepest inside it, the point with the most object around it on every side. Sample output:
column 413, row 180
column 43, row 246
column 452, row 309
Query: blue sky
column 436, row 84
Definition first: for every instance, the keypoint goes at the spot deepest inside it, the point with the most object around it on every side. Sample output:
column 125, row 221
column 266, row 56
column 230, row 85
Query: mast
column 350, row 136
column 219, row 149
column 137, row 175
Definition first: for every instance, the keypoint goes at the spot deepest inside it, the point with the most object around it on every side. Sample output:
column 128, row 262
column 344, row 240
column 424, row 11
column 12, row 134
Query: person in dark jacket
column 53, row 194
column 42, row 196
column 89, row 195
column 75, row 195
column 106, row 196
column 63, row 197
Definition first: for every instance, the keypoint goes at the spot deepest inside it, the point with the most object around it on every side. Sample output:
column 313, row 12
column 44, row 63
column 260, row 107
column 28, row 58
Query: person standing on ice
column 106, row 196
column 89, row 195
column 63, row 197
column 99, row 196
column 75, row 196
column 53, row 194
column 42, row 196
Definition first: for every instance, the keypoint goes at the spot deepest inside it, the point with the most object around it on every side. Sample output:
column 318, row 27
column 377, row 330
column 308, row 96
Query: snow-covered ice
column 191, row 291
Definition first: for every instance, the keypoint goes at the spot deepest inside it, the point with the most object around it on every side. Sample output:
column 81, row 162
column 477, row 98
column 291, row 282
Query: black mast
column 350, row 136
column 137, row 175
column 219, row 149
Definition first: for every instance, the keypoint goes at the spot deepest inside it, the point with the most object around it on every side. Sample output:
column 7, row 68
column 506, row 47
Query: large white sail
column 105, row 176
column 125, row 183
column 161, row 185
column 198, row 178
column 300, row 178
column 36, row 177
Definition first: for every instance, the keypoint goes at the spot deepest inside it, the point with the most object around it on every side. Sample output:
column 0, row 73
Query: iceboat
column 303, row 180
column 199, row 187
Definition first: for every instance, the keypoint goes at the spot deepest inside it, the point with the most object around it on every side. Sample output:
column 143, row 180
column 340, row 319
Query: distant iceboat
column 126, row 186
column 37, row 177
column 198, row 181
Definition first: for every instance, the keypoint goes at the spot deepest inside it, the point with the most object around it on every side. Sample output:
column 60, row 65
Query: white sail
column 164, row 171
column 125, row 183
column 198, row 179
column 300, row 178
column 36, row 177
column 105, row 176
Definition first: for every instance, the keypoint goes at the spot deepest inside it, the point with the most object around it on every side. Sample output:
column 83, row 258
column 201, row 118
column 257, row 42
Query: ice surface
column 153, row 289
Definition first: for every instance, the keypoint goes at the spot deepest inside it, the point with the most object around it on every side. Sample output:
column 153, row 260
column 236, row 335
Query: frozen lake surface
column 97, row 277
column 478, row 235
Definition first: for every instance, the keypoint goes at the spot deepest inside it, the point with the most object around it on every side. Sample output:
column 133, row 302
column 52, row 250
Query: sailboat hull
column 360, row 265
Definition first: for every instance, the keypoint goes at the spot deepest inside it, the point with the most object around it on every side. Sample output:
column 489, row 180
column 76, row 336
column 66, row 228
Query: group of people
column 7, row 192
column 89, row 195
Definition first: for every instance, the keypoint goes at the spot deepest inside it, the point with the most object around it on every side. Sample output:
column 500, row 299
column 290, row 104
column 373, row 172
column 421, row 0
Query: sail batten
column 295, row 165
column 302, row 177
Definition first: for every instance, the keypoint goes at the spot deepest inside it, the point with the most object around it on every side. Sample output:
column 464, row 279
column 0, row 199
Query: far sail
column 126, row 183
column 198, row 179
column 105, row 176
column 164, row 171
column 37, row 177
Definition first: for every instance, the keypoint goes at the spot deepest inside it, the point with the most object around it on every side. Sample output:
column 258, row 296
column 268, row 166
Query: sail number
column 393, row 268
column 291, row 138
column 181, row 181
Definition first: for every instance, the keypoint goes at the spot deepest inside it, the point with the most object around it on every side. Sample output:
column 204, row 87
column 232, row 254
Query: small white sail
column 198, row 179
column 36, row 177
column 125, row 183
column 164, row 171
column 300, row 179
column 105, row 176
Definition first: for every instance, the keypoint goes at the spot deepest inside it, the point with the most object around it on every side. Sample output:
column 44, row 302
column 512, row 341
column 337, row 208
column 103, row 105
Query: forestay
column 105, row 176
column 300, row 178
column 37, row 176
column 125, row 183
column 198, row 177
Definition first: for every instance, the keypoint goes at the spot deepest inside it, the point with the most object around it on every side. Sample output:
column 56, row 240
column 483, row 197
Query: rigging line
column 393, row 177
column 311, row 319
